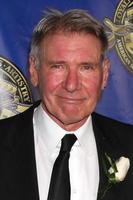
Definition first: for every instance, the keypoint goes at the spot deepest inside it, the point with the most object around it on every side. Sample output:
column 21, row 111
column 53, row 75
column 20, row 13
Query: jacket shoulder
column 114, row 132
column 103, row 120
column 17, row 122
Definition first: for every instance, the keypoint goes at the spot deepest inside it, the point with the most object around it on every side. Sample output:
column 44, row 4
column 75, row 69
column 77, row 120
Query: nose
column 72, row 81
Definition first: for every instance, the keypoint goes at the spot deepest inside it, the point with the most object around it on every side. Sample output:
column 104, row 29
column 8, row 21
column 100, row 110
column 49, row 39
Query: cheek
column 93, row 85
column 49, row 82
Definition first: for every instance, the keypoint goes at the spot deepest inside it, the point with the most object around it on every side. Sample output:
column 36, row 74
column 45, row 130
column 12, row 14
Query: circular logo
column 121, row 32
column 15, row 96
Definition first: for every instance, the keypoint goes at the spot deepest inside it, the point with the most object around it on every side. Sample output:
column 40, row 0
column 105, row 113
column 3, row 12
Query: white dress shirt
column 83, row 162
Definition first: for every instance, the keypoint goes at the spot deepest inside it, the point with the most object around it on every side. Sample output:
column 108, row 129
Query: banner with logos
column 17, row 20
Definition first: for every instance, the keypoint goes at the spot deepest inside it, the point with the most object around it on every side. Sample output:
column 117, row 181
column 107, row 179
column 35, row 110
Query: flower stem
column 106, row 189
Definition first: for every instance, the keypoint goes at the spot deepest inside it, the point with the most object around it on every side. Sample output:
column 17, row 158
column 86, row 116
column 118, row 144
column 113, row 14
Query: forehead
column 71, row 44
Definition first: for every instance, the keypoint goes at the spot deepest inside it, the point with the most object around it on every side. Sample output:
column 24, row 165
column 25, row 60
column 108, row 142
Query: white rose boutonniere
column 122, row 166
column 115, row 171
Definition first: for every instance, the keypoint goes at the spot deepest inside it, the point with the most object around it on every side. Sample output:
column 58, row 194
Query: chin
column 71, row 119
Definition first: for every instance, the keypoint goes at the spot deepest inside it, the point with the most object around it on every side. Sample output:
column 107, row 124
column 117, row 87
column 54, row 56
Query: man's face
column 70, row 77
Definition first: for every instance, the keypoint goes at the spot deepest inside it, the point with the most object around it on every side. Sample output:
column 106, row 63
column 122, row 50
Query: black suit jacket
column 18, row 175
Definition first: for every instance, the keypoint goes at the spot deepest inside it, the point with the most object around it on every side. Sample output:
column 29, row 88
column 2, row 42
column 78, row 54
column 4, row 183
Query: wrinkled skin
column 70, row 77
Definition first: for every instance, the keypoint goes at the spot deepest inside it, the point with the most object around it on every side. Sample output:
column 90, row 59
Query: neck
column 70, row 126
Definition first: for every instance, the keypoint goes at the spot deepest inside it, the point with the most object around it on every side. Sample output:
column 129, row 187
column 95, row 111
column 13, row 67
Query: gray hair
column 72, row 21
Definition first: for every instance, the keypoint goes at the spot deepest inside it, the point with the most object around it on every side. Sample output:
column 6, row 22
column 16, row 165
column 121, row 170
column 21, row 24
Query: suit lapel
column 27, row 163
column 18, row 176
column 111, row 139
column 104, row 145
column 101, row 151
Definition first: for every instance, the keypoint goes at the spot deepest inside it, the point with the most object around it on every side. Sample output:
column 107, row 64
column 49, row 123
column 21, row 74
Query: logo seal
column 120, row 32
column 15, row 93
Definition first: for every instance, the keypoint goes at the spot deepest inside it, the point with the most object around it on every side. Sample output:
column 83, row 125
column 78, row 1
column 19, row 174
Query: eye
column 57, row 66
column 88, row 67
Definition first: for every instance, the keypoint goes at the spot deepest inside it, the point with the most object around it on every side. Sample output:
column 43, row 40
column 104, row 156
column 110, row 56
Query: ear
column 33, row 71
column 106, row 66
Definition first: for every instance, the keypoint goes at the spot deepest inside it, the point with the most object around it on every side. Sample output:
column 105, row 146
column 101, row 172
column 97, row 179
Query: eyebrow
column 50, row 62
column 63, row 62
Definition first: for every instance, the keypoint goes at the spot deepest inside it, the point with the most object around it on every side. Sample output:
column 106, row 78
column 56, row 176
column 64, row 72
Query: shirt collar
column 85, row 135
column 51, row 134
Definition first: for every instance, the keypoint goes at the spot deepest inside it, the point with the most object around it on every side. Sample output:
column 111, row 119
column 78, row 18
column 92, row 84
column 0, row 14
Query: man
column 68, row 64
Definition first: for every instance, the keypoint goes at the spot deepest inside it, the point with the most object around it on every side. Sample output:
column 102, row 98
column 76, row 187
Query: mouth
column 72, row 100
